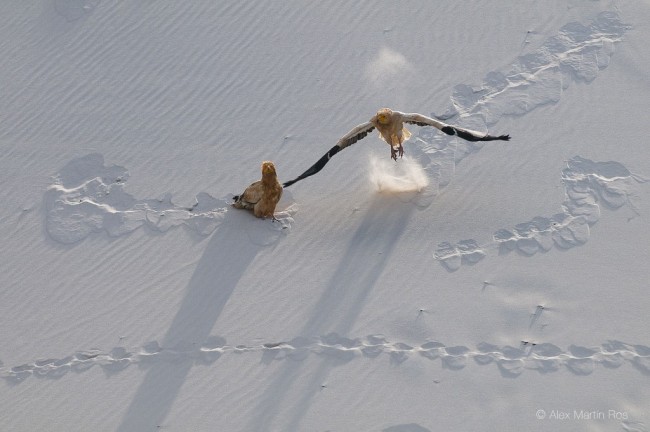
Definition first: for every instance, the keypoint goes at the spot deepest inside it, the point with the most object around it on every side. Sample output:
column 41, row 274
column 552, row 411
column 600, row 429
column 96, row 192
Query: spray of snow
column 387, row 66
column 388, row 176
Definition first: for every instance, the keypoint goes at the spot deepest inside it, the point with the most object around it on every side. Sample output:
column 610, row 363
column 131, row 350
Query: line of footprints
column 511, row 360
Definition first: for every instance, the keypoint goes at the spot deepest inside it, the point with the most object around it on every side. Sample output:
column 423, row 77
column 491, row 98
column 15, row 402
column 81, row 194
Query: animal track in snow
column 577, row 53
column 463, row 253
column 587, row 185
column 88, row 197
column 511, row 361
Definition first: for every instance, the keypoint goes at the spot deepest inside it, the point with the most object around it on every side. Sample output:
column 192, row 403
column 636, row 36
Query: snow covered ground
column 468, row 286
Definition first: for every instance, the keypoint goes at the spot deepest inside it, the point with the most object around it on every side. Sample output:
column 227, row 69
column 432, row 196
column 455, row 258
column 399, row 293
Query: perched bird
column 263, row 195
column 390, row 125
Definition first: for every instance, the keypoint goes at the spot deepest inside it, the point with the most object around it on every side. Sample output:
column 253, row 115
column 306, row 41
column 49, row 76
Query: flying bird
column 263, row 195
column 390, row 125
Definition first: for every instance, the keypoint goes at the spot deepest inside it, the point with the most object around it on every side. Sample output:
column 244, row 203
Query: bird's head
column 384, row 115
column 268, row 168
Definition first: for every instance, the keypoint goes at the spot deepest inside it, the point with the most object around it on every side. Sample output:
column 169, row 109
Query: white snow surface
column 468, row 286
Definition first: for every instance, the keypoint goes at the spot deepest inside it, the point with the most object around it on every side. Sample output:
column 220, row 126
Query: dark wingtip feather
column 316, row 167
column 448, row 130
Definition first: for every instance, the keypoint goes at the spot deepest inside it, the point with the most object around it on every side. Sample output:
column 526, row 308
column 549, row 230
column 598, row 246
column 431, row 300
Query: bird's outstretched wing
column 348, row 139
column 251, row 195
column 466, row 134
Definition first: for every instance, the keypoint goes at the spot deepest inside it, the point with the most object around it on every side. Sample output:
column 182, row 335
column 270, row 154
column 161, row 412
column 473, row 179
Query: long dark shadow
column 210, row 287
column 339, row 306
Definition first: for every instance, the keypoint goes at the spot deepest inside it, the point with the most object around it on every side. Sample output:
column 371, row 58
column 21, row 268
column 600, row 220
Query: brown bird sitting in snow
column 263, row 195
column 390, row 125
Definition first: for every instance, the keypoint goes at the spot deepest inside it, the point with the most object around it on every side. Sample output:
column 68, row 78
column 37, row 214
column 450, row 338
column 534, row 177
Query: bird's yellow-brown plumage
column 263, row 195
column 391, row 129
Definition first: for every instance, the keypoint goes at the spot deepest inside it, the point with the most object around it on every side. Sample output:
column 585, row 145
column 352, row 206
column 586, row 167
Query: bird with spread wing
column 390, row 125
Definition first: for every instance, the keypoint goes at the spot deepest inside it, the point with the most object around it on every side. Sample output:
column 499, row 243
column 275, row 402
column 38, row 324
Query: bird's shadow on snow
column 217, row 274
column 334, row 313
